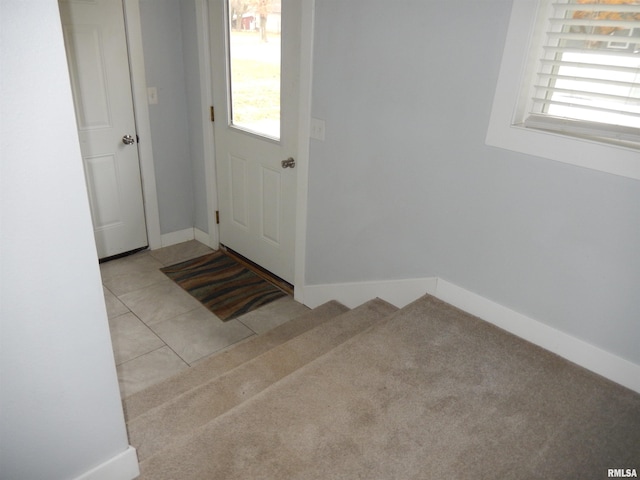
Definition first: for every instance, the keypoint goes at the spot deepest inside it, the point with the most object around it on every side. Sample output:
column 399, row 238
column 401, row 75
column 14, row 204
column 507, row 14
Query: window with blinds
column 587, row 81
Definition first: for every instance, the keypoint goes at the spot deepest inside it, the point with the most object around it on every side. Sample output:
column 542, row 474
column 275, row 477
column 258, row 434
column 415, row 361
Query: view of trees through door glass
column 254, row 65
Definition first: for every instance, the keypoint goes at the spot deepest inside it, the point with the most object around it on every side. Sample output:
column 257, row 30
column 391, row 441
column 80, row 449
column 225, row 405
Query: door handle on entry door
column 128, row 140
column 288, row 163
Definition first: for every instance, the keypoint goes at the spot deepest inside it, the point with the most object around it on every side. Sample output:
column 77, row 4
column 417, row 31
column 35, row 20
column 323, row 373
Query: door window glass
column 254, row 65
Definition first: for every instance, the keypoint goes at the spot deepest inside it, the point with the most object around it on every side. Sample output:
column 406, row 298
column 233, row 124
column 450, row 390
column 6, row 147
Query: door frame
column 143, row 125
column 133, row 27
column 133, row 30
column 304, row 122
column 206, row 93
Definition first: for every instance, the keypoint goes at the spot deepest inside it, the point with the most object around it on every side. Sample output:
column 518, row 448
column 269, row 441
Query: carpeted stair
column 216, row 365
column 426, row 392
column 176, row 418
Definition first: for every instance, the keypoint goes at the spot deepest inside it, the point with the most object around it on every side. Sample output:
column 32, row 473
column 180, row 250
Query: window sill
column 603, row 157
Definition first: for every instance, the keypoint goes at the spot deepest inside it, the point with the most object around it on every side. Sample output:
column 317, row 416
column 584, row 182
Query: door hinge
column 217, row 217
column 213, row 117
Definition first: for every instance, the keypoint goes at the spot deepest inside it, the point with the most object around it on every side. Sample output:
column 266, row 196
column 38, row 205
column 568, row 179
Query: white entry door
column 256, row 63
column 96, row 46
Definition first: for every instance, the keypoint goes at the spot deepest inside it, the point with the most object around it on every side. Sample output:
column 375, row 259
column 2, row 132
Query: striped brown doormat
column 223, row 285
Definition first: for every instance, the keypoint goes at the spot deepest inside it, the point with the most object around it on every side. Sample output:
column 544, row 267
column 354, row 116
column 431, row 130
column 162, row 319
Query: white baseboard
column 396, row 292
column 571, row 348
column 203, row 238
column 180, row 236
column 403, row 292
column 121, row 467
column 185, row 235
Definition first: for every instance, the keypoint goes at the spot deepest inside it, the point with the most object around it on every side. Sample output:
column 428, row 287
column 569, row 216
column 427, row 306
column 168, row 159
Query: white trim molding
column 205, row 238
column 143, row 124
column 206, row 94
column 571, row 348
column 121, row 467
column 396, row 292
column 403, row 292
column 302, row 163
column 179, row 236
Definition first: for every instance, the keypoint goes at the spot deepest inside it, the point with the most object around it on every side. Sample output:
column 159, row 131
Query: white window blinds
column 588, row 76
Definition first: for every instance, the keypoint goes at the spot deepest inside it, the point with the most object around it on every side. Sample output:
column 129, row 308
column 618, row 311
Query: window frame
column 523, row 46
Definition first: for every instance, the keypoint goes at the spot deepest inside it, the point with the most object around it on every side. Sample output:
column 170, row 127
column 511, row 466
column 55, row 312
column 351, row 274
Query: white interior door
column 256, row 90
column 96, row 46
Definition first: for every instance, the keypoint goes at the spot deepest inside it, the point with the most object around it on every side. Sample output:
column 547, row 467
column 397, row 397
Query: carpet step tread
column 226, row 360
column 431, row 393
column 176, row 420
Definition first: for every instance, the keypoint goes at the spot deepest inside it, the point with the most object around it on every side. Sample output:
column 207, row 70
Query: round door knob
column 288, row 163
column 128, row 140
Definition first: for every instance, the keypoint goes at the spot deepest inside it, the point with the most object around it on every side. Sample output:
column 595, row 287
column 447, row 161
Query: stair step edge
column 175, row 420
column 226, row 360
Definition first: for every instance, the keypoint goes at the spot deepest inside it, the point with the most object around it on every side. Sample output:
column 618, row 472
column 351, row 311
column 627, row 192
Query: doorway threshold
column 258, row 270
column 121, row 255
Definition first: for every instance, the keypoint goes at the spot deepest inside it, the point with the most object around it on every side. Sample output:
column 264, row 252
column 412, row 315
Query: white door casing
column 97, row 55
column 257, row 196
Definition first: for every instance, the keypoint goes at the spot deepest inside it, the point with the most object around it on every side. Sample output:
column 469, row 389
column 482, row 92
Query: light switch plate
column 317, row 129
column 152, row 95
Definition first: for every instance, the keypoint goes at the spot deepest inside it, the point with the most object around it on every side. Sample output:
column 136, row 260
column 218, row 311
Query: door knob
column 288, row 163
column 128, row 140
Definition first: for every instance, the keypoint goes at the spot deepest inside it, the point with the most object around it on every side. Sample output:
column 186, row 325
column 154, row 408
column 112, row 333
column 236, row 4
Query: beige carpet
column 211, row 368
column 177, row 419
column 431, row 394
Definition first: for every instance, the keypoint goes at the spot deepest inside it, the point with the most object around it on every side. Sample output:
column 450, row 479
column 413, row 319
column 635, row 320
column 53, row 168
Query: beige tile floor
column 158, row 330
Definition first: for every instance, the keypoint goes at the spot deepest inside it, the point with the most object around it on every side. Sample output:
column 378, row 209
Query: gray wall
column 171, row 65
column 405, row 187
column 60, row 413
column 194, row 109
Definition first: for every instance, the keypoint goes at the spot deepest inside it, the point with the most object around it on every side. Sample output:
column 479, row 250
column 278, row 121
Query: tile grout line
column 140, row 266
